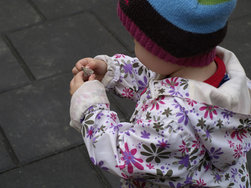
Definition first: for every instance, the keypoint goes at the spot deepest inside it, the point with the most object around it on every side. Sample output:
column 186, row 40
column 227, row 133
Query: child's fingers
column 83, row 62
column 79, row 77
column 92, row 77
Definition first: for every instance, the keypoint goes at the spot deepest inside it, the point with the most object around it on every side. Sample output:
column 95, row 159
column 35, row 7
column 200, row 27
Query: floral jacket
column 183, row 133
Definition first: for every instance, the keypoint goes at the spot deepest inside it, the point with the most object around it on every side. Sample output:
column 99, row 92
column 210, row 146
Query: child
column 192, row 124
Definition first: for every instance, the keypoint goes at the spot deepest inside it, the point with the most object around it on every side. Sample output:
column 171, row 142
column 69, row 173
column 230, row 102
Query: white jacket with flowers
column 183, row 133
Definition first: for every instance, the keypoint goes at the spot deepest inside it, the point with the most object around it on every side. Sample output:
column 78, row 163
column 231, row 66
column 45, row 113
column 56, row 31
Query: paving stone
column 5, row 160
column 238, row 40
column 112, row 179
column 54, row 47
column 122, row 105
column 106, row 11
column 35, row 118
column 16, row 14
column 243, row 8
column 11, row 72
column 107, row 14
column 65, row 170
column 55, row 8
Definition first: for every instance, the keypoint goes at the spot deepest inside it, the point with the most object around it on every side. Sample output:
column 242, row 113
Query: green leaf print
column 154, row 153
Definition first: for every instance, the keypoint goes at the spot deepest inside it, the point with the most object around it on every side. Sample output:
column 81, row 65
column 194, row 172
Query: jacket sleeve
column 130, row 149
column 127, row 76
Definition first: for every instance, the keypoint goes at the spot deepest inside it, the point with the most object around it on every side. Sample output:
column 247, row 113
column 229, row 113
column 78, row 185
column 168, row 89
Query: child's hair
column 183, row 32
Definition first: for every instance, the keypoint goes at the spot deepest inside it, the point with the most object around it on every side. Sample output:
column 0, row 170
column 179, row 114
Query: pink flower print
column 150, row 166
column 183, row 147
column 191, row 102
column 113, row 117
column 117, row 56
column 144, row 107
column 200, row 182
column 239, row 134
column 209, row 110
column 231, row 144
column 129, row 159
column 238, row 151
column 196, row 144
column 127, row 92
column 139, row 121
column 156, row 102
column 172, row 82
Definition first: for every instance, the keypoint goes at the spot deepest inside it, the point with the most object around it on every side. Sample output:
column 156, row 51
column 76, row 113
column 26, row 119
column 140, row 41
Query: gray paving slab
column 243, row 8
column 35, row 118
column 11, row 72
column 54, row 8
column 16, row 14
column 106, row 12
column 65, row 170
column 238, row 40
column 5, row 159
column 55, row 46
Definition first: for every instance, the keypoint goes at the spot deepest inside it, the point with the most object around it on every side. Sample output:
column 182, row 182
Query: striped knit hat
column 183, row 32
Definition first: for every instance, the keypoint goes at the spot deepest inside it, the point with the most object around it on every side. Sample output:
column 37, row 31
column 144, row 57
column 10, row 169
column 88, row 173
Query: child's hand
column 78, row 81
column 98, row 66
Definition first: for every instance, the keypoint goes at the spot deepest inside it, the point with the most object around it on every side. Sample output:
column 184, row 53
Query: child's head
column 183, row 32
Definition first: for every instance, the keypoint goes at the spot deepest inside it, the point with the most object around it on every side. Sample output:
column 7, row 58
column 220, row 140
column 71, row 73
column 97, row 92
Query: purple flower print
column 143, row 84
column 188, row 180
column 90, row 132
column 215, row 154
column 145, row 134
column 100, row 164
column 217, row 178
column 185, row 161
column 129, row 159
column 182, row 116
column 234, row 172
column 163, row 144
column 116, row 127
column 100, row 114
column 175, row 93
column 128, row 68
column 226, row 114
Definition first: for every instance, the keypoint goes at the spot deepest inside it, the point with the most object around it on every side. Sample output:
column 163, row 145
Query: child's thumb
column 92, row 77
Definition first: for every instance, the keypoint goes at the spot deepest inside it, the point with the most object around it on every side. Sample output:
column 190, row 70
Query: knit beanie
column 183, row 32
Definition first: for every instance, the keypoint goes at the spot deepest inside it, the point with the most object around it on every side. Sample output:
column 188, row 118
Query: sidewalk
column 40, row 42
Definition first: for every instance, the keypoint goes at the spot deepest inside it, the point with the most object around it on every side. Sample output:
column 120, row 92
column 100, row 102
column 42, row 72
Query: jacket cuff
column 113, row 74
column 89, row 94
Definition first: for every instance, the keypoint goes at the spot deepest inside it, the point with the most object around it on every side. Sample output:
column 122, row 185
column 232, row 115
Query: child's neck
column 196, row 73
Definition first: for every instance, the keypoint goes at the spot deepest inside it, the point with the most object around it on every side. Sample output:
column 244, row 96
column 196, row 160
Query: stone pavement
column 40, row 42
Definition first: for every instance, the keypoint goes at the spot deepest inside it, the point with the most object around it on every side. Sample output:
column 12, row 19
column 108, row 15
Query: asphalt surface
column 40, row 42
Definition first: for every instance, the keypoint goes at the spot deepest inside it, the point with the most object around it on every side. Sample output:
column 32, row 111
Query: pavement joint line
column 21, row 165
column 39, row 12
column 100, row 175
column 31, row 83
column 109, row 31
column 9, row 148
column 19, row 58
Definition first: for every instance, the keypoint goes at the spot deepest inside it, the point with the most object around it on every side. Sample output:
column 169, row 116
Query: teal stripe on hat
column 212, row 2
column 195, row 16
